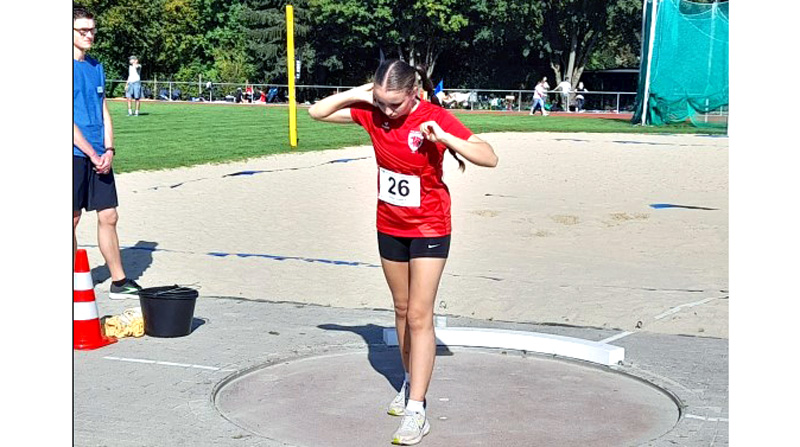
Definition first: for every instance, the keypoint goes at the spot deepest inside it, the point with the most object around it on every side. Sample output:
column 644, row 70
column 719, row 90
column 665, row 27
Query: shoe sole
column 121, row 296
column 425, row 430
column 394, row 412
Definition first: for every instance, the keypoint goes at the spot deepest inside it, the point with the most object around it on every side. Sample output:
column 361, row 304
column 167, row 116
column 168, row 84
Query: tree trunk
column 556, row 66
column 584, row 58
column 573, row 48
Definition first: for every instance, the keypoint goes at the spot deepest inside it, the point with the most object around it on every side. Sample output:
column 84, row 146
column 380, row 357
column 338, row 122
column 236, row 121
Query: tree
column 423, row 29
column 487, row 43
column 573, row 28
column 502, row 47
column 125, row 28
column 347, row 36
column 265, row 23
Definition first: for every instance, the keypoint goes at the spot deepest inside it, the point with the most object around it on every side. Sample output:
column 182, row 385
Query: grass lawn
column 170, row 135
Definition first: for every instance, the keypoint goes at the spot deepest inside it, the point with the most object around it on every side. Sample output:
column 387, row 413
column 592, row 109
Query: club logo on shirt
column 414, row 140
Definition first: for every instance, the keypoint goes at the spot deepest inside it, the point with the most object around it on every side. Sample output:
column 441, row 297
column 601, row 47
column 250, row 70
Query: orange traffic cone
column 86, row 323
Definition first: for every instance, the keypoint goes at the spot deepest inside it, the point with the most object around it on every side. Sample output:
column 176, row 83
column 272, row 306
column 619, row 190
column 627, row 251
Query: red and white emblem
column 415, row 140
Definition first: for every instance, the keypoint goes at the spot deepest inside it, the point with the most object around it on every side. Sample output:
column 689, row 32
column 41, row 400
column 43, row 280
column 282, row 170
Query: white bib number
column 398, row 189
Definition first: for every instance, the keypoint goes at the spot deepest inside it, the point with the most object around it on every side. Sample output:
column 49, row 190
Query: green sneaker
column 412, row 428
column 128, row 290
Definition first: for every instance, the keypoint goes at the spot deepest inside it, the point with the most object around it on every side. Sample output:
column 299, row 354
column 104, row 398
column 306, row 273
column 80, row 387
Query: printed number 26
column 402, row 187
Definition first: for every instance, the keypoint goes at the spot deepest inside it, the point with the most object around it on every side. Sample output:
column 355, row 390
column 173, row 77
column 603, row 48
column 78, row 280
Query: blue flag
column 439, row 87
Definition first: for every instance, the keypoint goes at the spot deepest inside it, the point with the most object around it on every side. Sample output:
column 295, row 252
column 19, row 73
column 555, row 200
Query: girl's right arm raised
column 335, row 108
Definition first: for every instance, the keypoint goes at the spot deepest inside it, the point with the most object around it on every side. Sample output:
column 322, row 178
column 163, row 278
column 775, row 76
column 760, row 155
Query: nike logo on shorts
column 433, row 246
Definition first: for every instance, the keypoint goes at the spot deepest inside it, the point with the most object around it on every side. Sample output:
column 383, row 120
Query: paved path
column 231, row 383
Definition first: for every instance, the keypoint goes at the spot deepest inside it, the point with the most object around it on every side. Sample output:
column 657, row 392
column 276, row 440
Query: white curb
column 590, row 351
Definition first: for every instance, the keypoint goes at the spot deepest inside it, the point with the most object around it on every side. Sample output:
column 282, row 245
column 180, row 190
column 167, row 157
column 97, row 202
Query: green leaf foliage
column 468, row 43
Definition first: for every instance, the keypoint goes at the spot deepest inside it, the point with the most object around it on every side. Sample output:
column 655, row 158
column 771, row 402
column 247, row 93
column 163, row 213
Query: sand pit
column 562, row 231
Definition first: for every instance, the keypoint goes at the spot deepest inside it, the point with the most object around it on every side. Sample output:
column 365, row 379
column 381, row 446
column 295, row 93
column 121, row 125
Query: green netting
column 689, row 64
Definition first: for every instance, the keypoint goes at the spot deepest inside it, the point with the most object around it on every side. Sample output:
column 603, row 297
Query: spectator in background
column 546, row 88
column 579, row 98
column 248, row 93
column 565, row 88
column 133, row 86
column 272, row 95
column 539, row 96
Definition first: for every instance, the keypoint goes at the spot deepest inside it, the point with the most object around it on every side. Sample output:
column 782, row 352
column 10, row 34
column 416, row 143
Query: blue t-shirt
column 88, row 92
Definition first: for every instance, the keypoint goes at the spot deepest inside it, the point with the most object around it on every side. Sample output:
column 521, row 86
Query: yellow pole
column 290, row 73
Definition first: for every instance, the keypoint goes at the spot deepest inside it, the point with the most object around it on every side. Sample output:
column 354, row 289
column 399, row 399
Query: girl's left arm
column 473, row 149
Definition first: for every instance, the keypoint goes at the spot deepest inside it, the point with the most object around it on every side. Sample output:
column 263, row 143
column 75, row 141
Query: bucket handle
column 194, row 286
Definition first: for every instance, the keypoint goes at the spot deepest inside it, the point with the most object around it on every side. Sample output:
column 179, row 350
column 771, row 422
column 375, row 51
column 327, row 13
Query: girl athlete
column 409, row 136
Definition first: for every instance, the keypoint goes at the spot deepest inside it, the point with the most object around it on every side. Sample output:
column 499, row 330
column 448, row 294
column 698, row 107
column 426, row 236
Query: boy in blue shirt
column 93, row 152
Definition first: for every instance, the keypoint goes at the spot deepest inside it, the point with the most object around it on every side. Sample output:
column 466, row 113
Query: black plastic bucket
column 168, row 311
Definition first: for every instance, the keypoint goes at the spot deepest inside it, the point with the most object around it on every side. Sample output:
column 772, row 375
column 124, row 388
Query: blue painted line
column 219, row 254
column 341, row 160
column 658, row 144
column 643, row 142
column 660, row 206
column 346, row 160
column 573, row 139
column 293, row 258
column 254, row 172
column 243, row 173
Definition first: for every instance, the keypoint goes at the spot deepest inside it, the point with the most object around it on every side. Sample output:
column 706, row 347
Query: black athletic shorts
column 402, row 249
column 91, row 190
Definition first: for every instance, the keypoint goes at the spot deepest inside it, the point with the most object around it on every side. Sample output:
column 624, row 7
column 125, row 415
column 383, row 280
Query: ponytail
column 427, row 85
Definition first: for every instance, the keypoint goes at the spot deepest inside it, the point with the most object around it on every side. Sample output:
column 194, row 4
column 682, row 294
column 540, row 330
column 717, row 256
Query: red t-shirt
column 410, row 169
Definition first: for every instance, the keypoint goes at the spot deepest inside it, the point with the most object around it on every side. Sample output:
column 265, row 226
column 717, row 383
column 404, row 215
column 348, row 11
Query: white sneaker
column 398, row 405
column 412, row 428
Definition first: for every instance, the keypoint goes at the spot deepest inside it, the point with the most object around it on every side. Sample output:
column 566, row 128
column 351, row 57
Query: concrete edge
column 587, row 350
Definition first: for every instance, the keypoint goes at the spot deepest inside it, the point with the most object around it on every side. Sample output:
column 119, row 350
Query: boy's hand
column 104, row 165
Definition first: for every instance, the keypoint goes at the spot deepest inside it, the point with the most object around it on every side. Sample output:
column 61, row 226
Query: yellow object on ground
column 128, row 324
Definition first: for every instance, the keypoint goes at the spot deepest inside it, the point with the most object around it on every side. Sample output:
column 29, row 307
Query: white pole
column 649, row 60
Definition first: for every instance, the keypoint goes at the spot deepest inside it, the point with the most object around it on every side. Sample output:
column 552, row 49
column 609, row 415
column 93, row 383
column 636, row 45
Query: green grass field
column 170, row 135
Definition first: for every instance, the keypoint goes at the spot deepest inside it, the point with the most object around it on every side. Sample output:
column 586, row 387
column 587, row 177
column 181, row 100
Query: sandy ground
column 561, row 232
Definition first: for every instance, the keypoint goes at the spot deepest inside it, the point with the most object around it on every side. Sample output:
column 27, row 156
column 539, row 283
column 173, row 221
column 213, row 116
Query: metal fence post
column 617, row 102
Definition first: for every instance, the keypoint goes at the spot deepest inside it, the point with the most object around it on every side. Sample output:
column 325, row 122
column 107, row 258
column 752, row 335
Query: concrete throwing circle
column 476, row 398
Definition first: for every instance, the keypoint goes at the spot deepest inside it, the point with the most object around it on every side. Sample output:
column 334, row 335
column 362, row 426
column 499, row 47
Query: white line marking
column 154, row 362
column 615, row 337
column 703, row 418
column 682, row 306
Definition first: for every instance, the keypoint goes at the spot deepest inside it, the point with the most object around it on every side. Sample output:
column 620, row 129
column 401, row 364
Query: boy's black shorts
column 402, row 249
column 90, row 190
